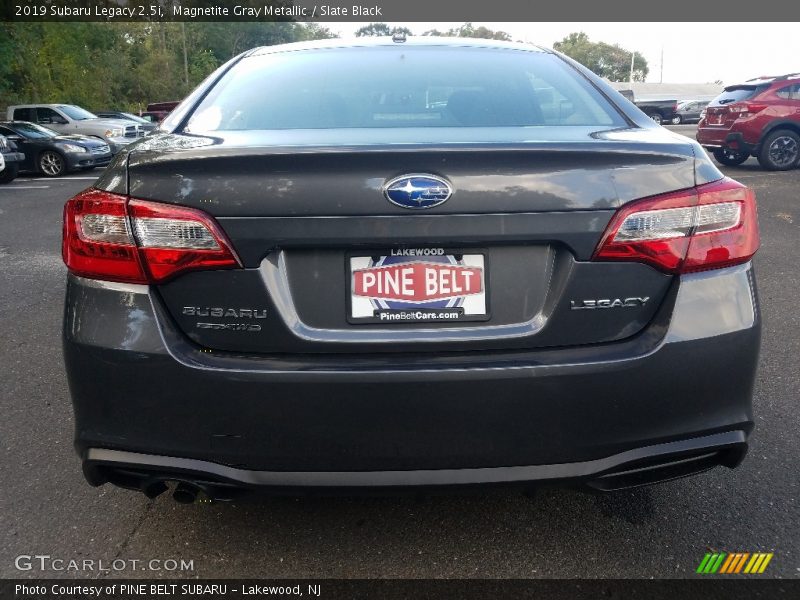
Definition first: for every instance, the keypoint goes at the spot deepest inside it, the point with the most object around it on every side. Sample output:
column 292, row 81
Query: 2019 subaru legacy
column 418, row 262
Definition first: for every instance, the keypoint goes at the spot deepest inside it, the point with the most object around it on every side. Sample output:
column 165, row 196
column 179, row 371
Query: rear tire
column 52, row 164
column 656, row 118
column 10, row 173
column 730, row 158
column 780, row 151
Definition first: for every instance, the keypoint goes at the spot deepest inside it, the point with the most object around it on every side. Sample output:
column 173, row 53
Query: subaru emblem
column 417, row 191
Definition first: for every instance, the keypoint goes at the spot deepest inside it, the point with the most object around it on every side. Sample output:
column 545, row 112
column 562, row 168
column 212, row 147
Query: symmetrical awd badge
column 417, row 191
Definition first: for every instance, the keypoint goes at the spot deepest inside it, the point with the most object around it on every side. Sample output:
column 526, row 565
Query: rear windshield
column 738, row 93
column 401, row 87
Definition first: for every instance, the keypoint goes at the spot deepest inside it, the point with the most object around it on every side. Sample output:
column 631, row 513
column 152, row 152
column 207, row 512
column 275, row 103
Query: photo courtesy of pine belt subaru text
column 400, row 262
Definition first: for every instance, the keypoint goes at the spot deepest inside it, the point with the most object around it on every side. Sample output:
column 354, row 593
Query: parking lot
column 663, row 531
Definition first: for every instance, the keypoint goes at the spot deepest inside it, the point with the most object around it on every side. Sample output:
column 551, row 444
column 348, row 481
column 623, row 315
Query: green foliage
column 374, row 29
column 465, row 30
column 125, row 65
column 468, row 30
column 610, row 61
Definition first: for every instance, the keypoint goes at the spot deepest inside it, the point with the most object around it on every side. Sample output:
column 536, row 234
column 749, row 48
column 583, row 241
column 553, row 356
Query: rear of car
column 759, row 118
column 158, row 111
column 438, row 262
column 11, row 159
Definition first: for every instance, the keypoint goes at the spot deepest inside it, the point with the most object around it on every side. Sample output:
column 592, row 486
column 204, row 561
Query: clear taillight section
column 109, row 236
column 708, row 227
column 655, row 225
column 743, row 110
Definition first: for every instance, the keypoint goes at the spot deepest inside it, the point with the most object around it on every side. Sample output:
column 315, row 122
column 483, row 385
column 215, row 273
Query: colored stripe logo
column 728, row 563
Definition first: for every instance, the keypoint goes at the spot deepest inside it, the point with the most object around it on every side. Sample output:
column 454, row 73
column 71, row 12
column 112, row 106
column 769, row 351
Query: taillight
column 109, row 236
column 708, row 227
column 745, row 109
column 97, row 240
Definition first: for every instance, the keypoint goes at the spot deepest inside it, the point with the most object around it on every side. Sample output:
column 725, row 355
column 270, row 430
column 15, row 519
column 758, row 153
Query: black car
column 422, row 262
column 689, row 112
column 10, row 160
column 51, row 154
column 145, row 124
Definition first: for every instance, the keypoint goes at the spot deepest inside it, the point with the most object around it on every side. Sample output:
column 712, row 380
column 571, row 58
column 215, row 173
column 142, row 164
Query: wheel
column 10, row 173
column 780, row 150
column 730, row 158
column 51, row 163
column 677, row 120
column 656, row 117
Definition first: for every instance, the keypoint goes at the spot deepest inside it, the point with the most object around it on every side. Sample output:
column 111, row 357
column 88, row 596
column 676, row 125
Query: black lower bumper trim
column 735, row 141
column 631, row 468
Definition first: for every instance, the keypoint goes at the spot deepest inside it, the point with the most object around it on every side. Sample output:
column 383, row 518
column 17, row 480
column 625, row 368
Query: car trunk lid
column 308, row 220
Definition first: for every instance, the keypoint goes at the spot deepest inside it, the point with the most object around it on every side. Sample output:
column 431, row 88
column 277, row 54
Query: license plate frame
column 472, row 307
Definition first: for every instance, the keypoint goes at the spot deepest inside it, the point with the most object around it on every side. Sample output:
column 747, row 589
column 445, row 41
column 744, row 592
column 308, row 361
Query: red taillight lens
column 708, row 227
column 173, row 239
column 717, row 242
column 97, row 241
column 109, row 236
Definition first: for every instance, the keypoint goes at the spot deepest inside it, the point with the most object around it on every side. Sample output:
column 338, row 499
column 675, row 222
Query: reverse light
column 708, row 227
column 111, row 237
column 746, row 109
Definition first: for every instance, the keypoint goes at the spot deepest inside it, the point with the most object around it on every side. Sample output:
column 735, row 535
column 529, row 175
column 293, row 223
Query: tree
column 610, row 61
column 381, row 29
column 125, row 65
column 469, row 31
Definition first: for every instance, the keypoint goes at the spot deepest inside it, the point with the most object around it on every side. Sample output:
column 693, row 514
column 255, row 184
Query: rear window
column 737, row 94
column 401, row 87
column 24, row 114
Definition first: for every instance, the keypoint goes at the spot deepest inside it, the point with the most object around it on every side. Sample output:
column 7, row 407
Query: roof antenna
column 398, row 37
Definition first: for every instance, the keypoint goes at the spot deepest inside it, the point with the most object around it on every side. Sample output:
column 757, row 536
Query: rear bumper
column 713, row 138
column 632, row 468
column 13, row 157
column 674, row 400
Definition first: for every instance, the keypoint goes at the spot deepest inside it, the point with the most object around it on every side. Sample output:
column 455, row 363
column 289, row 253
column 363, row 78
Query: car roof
column 16, row 122
column 386, row 41
column 766, row 80
column 57, row 104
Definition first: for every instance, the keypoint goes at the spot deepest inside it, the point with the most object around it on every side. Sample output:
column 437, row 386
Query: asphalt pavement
column 46, row 507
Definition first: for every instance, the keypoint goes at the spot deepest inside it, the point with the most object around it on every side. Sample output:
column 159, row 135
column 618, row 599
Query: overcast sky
column 693, row 52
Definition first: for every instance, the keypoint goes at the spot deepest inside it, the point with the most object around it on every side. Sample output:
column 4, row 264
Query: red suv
column 760, row 117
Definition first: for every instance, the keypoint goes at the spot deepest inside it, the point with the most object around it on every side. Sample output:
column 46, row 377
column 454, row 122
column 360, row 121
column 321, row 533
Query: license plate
column 417, row 286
